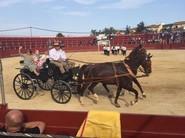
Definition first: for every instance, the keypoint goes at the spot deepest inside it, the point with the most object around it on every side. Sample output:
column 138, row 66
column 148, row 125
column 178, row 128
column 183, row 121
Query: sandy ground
column 165, row 87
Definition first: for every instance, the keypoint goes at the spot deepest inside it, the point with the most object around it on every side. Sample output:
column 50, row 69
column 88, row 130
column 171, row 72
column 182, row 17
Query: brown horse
column 120, row 73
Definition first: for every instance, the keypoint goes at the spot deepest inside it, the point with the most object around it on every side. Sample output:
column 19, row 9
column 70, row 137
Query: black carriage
column 60, row 85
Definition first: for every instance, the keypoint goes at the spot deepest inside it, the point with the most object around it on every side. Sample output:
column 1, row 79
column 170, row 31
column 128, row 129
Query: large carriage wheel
column 23, row 86
column 46, row 85
column 61, row 92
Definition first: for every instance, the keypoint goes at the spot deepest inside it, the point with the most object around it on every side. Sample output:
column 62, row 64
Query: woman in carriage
column 29, row 61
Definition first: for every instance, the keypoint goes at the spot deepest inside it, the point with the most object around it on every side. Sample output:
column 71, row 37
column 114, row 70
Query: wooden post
column 2, row 84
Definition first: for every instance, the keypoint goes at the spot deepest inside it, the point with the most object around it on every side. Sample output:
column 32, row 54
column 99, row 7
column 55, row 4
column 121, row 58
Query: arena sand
column 165, row 87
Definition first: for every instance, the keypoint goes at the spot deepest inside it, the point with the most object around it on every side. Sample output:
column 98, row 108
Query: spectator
column 123, row 50
column 107, row 50
column 14, row 123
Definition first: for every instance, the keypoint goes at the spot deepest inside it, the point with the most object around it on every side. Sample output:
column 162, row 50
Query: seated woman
column 14, row 123
column 42, row 60
column 28, row 61
column 36, row 56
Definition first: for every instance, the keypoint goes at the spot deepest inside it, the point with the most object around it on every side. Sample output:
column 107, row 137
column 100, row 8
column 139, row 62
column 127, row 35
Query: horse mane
column 137, row 52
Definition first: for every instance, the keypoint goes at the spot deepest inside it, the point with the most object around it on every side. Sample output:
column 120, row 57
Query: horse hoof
column 122, row 94
column 144, row 95
column 132, row 102
column 96, row 97
column 117, row 105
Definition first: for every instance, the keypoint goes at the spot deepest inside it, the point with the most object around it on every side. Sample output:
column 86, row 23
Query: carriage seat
column 28, row 72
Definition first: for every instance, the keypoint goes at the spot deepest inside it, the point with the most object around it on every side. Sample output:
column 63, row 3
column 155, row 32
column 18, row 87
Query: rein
column 99, row 79
column 80, row 61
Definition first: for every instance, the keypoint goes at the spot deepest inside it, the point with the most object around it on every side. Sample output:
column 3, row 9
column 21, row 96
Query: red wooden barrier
column 132, row 125
column 9, row 45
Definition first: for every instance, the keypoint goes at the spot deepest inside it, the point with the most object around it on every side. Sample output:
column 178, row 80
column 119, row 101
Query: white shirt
column 63, row 55
column 57, row 54
column 108, row 48
column 124, row 48
column 117, row 47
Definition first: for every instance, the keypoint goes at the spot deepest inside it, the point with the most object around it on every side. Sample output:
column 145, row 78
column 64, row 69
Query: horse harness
column 116, row 76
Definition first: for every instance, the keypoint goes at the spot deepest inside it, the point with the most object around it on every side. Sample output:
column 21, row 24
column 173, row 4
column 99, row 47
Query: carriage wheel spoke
column 22, row 93
column 20, row 90
column 18, row 84
column 27, row 94
column 65, row 95
column 18, row 81
column 57, row 96
column 19, row 78
column 60, row 97
column 30, row 90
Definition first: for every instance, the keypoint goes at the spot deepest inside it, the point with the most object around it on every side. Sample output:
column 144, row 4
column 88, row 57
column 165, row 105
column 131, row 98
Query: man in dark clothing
column 14, row 123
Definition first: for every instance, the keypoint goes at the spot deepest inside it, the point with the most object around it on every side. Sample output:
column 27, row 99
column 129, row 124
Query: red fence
column 132, row 125
column 9, row 45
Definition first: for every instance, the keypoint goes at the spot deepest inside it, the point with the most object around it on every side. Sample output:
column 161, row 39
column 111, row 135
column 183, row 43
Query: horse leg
column 91, row 89
column 117, row 96
column 136, row 95
column 137, row 83
column 81, row 92
column 110, row 94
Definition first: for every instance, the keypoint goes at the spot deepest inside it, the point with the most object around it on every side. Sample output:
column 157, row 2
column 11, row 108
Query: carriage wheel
column 61, row 92
column 23, row 86
column 46, row 85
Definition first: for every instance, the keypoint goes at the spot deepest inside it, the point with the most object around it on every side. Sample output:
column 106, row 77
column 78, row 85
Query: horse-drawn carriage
column 121, row 73
column 50, row 79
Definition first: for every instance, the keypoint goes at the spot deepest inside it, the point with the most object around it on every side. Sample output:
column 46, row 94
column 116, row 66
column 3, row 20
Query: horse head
column 147, row 64
column 139, row 57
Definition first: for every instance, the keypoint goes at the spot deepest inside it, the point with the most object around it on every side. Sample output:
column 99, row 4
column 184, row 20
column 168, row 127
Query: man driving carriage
column 58, row 57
